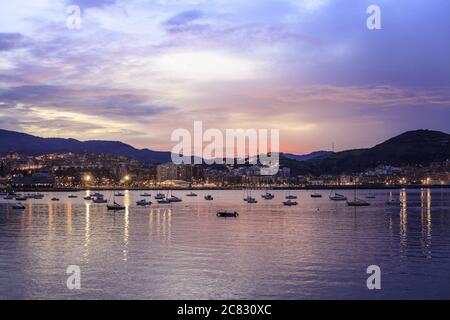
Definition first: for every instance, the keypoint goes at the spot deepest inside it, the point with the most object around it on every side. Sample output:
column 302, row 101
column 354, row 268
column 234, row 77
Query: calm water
column 316, row 250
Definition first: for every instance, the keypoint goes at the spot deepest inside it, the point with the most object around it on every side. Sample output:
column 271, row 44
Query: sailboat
column 268, row 195
column 337, row 197
column 115, row 206
column 358, row 202
column 249, row 198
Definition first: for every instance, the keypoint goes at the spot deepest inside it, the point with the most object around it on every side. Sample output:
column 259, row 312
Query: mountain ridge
column 23, row 143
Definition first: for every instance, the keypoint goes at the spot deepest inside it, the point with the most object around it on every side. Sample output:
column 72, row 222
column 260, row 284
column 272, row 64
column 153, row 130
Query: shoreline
column 307, row 188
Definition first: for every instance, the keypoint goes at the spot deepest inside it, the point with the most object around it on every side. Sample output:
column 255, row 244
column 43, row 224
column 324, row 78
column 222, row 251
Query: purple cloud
column 9, row 41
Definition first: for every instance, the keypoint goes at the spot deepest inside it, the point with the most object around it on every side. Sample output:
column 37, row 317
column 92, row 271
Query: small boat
column 8, row 197
column 268, row 196
column 227, row 214
column 37, row 196
column 209, row 198
column 71, row 196
column 143, row 203
column 160, row 196
column 250, row 199
column 97, row 194
column 115, row 207
column 119, row 194
column 18, row 206
column 164, row 201
column 338, row 197
column 21, row 198
column 191, row 194
column 88, row 198
column 146, row 195
column 291, row 197
column 174, row 199
column 55, row 199
column 316, row 195
column 290, row 203
column 393, row 203
column 358, row 203
column 99, row 200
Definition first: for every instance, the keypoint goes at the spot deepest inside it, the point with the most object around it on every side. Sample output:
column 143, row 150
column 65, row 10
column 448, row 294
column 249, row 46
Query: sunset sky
column 137, row 70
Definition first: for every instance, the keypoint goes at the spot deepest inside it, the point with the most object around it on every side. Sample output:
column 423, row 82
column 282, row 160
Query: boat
column 174, row 199
column 371, row 197
column 97, row 194
column 88, row 198
column 358, row 203
column 55, row 199
column 119, row 194
column 146, row 195
column 291, row 197
column 8, row 197
column 21, row 198
column 316, row 195
column 290, row 203
column 191, row 194
column 338, row 197
column 250, row 199
column 160, row 196
column 18, row 206
column 37, row 196
column 143, row 203
column 227, row 214
column 393, row 203
column 268, row 196
column 209, row 198
column 115, row 207
column 164, row 201
column 99, row 200
column 71, row 196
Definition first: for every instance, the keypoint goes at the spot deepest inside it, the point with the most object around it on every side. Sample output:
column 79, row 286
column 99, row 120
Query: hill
column 11, row 141
column 420, row 147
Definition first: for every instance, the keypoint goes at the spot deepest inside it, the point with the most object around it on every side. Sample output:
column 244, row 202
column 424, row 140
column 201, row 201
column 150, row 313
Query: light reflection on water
column 319, row 249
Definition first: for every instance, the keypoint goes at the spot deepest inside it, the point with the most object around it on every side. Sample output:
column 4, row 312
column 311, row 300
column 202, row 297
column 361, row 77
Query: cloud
column 85, row 4
column 9, row 41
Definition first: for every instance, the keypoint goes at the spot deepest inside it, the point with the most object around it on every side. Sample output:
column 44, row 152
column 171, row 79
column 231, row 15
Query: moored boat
column 338, row 197
column 18, row 206
column 358, row 203
column 290, row 203
column 115, row 207
column 143, row 203
column 227, row 214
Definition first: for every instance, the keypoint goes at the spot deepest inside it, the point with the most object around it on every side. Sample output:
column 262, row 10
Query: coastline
column 307, row 188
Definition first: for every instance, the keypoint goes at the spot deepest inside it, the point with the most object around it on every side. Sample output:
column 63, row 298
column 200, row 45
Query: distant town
column 67, row 171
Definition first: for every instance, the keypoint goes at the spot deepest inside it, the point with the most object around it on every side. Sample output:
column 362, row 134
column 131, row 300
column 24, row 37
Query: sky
column 137, row 70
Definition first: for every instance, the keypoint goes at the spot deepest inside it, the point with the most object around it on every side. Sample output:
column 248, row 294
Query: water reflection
column 184, row 251
column 403, row 221
column 87, row 229
column 426, row 222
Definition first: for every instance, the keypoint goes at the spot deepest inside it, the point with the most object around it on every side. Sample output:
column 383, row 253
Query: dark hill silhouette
column 26, row 144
